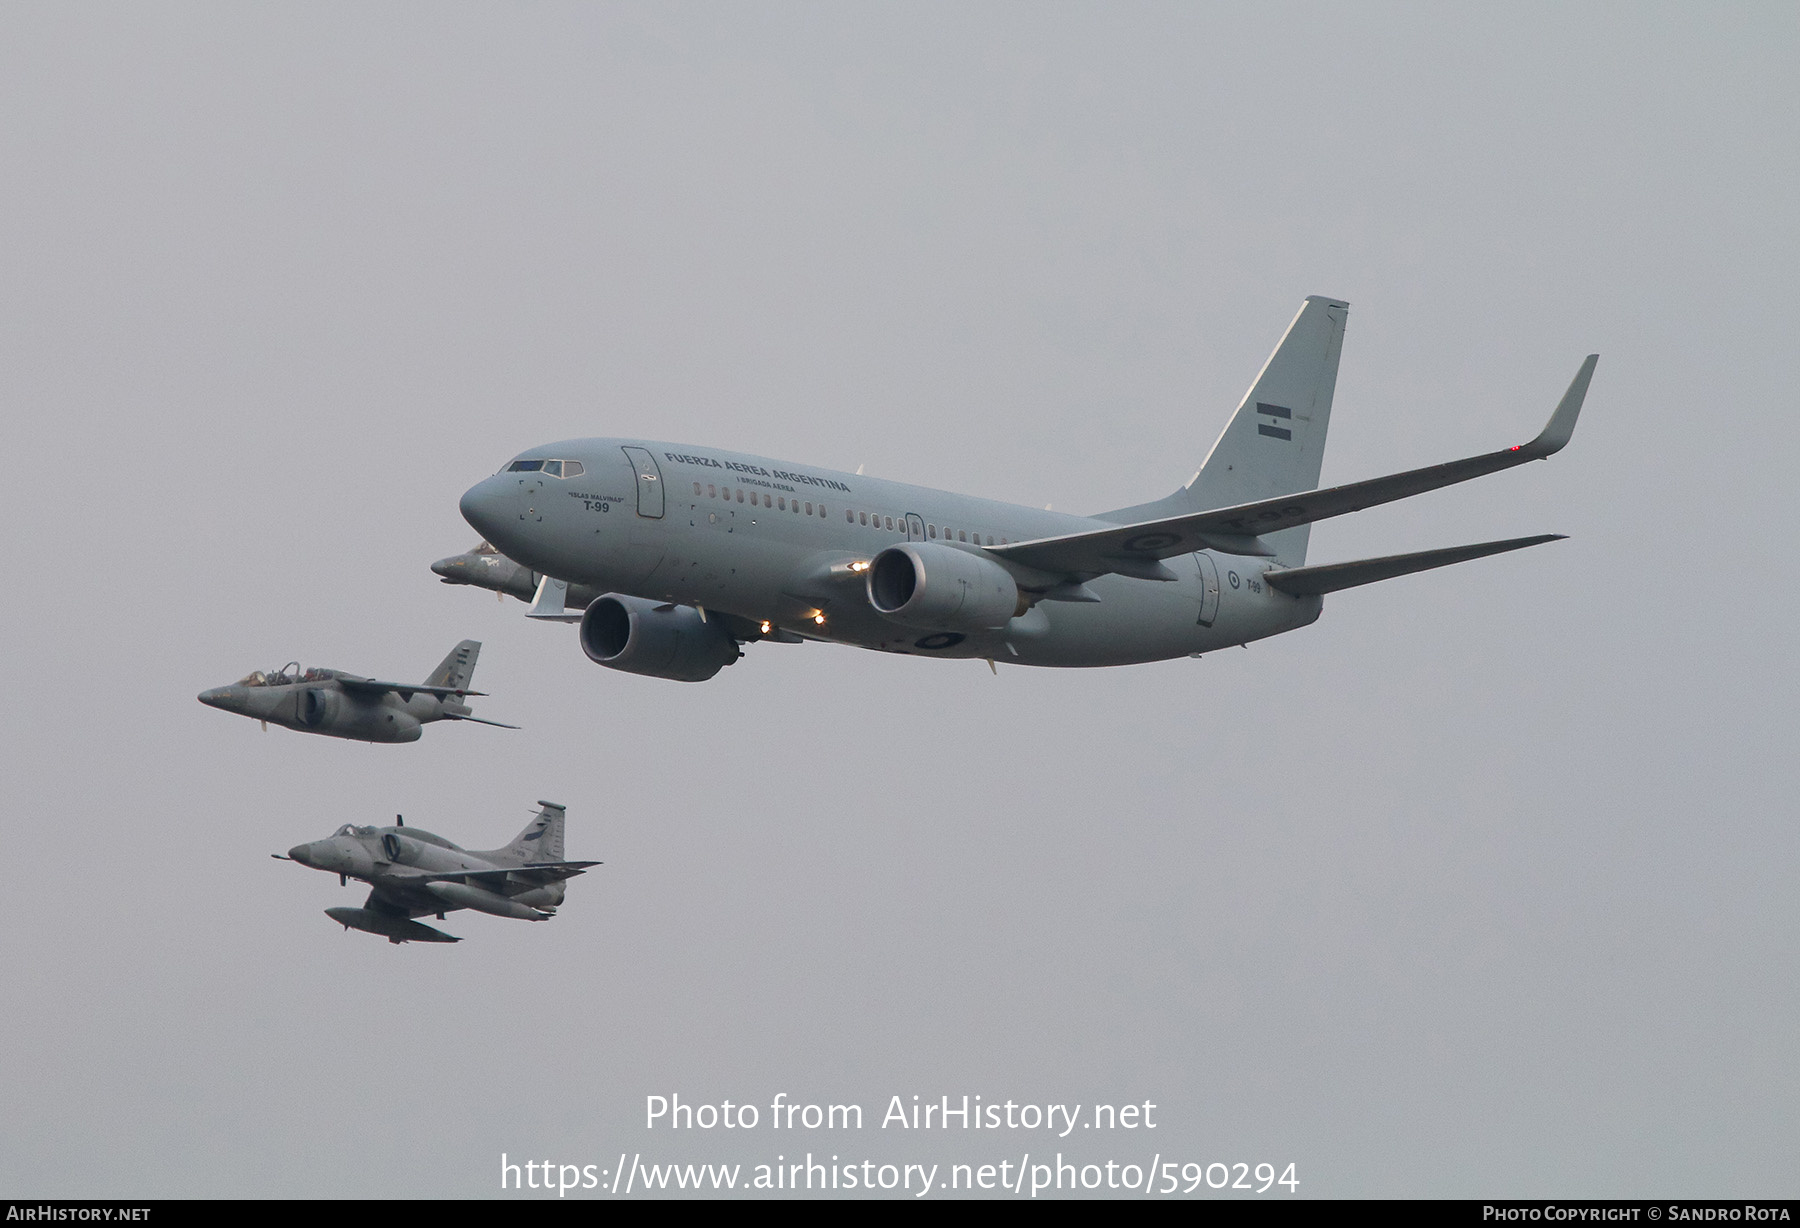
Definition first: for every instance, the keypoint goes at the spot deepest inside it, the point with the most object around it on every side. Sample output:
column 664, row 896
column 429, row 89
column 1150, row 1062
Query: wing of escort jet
column 1137, row 549
column 451, row 678
column 379, row 915
column 406, row 690
column 533, row 875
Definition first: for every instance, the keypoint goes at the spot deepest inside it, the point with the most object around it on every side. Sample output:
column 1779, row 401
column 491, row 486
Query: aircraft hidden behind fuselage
column 341, row 705
column 482, row 566
column 696, row 550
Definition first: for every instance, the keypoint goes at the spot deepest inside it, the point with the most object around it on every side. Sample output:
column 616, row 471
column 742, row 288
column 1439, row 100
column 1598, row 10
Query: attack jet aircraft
column 482, row 566
column 413, row 873
column 341, row 705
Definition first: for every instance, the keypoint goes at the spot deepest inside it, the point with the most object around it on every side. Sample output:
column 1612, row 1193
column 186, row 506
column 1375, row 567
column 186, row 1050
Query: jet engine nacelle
column 940, row 588
column 655, row 638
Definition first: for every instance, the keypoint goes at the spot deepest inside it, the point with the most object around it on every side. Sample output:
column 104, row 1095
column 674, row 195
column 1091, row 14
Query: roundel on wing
column 1152, row 541
column 942, row 639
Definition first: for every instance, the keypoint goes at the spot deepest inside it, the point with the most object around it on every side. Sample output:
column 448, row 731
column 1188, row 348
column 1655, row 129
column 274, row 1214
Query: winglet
column 1561, row 427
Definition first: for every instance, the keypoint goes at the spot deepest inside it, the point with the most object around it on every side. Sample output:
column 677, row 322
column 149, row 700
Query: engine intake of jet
column 940, row 588
column 656, row 639
column 320, row 707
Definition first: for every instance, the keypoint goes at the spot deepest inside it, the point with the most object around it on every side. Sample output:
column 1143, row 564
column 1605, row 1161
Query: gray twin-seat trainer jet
column 413, row 873
column 482, row 566
column 691, row 551
column 341, row 705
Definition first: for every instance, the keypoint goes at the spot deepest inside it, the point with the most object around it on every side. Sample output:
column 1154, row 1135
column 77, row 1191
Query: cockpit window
column 345, row 830
column 554, row 468
column 287, row 675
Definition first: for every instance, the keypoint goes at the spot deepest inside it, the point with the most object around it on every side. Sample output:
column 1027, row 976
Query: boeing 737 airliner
column 694, row 551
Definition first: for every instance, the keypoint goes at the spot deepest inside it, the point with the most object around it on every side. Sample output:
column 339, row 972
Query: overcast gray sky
column 1482, row 885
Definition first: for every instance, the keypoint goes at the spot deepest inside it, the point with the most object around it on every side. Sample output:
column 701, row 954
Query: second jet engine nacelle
column 941, row 588
column 655, row 638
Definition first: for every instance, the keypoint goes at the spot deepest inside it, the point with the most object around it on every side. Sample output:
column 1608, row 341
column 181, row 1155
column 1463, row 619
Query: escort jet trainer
column 341, row 705
column 413, row 873
column 695, row 550
column 482, row 566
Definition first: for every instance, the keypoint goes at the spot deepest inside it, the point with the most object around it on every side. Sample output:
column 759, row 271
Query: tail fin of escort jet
column 457, row 671
column 1275, row 442
column 542, row 839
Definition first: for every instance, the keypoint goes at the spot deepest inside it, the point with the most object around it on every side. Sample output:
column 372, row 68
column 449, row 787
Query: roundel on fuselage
column 942, row 639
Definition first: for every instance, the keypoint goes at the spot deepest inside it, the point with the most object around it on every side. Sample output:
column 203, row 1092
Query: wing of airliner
column 1136, row 549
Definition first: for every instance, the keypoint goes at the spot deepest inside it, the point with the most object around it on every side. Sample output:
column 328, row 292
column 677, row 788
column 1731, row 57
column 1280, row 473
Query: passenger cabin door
column 915, row 527
column 1209, row 588
column 649, row 483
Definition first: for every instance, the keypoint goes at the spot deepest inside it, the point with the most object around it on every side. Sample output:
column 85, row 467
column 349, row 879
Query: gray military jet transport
column 341, row 705
column 413, row 873
column 695, row 550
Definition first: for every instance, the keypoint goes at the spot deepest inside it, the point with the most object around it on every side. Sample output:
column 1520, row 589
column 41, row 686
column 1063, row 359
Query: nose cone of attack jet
column 225, row 697
column 301, row 853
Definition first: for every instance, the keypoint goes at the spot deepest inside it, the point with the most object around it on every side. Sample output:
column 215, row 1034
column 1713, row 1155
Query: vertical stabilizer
column 457, row 670
column 542, row 839
column 1275, row 443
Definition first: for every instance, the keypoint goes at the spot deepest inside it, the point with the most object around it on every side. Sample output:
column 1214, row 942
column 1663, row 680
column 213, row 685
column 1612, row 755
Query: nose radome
column 452, row 567
column 483, row 506
column 301, row 853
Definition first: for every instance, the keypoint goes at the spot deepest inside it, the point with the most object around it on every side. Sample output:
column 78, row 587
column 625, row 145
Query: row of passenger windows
column 877, row 520
column 780, row 503
column 555, row 468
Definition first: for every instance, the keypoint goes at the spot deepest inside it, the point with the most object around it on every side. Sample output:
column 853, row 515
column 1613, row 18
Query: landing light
column 859, row 566
column 819, row 619
column 765, row 628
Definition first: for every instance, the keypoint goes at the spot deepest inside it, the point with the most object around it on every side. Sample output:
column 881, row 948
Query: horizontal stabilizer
column 463, row 716
column 1329, row 578
column 1239, row 530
